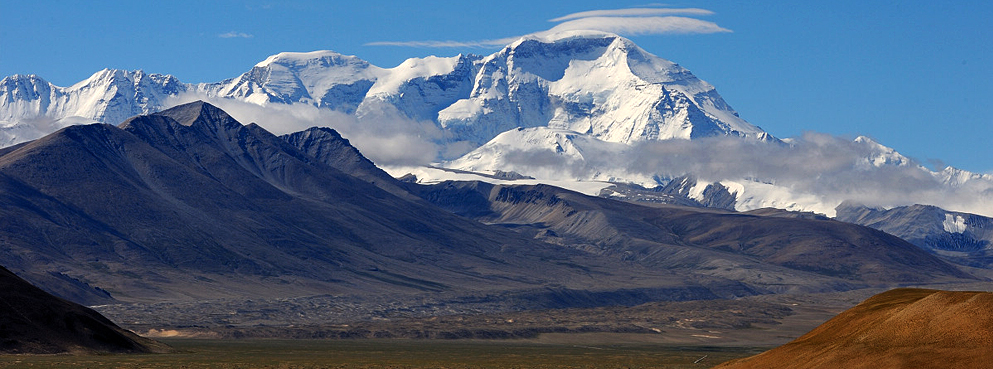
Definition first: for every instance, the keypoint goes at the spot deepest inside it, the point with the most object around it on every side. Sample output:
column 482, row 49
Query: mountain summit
column 595, row 83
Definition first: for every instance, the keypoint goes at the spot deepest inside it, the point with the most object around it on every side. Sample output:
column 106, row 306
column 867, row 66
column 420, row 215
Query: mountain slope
column 962, row 238
column 329, row 148
column 35, row 322
column 902, row 328
column 189, row 204
column 767, row 252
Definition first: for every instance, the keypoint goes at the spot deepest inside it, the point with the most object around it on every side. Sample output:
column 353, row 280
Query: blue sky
column 916, row 76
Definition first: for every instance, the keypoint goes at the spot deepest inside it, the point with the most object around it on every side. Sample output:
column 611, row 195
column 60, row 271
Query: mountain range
column 962, row 238
column 567, row 107
column 536, row 81
column 215, row 206
column 189, row 205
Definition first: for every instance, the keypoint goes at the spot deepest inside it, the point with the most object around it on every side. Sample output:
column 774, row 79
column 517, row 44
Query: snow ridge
column 594, row 83
column 31, row 107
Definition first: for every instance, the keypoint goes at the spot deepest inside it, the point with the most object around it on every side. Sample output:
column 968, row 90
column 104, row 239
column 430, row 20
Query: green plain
column 287, row 354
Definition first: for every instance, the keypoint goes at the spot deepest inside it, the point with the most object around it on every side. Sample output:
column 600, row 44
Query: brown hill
column 35, row 322
column 902, row 328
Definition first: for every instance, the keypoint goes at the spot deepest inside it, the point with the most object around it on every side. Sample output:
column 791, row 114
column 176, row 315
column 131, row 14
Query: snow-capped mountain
column 574, row 106
column 324, row 79
column 31, row 107
column 419, row 88
column 598, row 84
column 958, row 237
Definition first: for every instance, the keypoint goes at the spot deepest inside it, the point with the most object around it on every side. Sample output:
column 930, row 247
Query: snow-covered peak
column 595, row 83
column 110, row 95
column 958, row 177
column 321, row 78
column 297, row 58
column 413, row 68
column 137, row 80
column 21, row 95
column 880, row 155
column 19, row 82
column 322, row 63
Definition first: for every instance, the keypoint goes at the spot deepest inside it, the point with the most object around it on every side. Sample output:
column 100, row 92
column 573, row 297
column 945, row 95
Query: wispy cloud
column 234, row 34
column 630, row 21
column 633, row 12
column 479, row 43
column 641, row 25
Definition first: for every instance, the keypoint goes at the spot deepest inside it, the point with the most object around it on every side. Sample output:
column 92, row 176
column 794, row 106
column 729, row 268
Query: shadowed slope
column 328, row 147
column 35, row 322
column 902, row 328
column 961, row 238
column 189, row 204
column 772, row 251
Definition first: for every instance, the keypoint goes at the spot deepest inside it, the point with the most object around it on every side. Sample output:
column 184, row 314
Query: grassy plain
column 287, row 354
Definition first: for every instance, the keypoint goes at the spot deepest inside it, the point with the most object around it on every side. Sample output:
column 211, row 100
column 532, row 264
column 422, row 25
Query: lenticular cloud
column 629, row 22
column 641, row 25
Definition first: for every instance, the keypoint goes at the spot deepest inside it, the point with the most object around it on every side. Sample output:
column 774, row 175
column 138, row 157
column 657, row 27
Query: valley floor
column 767, row 320
column 194, row 353
column 688, row 334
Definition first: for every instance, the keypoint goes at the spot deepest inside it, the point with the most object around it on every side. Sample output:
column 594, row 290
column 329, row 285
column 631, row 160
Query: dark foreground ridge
column 902, row 328
column 35, row 322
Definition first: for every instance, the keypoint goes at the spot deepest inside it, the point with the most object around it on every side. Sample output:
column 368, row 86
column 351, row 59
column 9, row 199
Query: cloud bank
column 813, row 172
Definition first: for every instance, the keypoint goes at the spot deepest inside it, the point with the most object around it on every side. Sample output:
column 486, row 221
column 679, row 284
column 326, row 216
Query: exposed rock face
column 35, row 322
column 902, row 328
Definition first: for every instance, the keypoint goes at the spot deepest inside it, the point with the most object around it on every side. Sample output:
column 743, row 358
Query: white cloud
column 480, row 43
column 817, row 171
column 234, row 34
column 631, row 21
column 641, row 25
column 386, row 140
column 633, row 12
